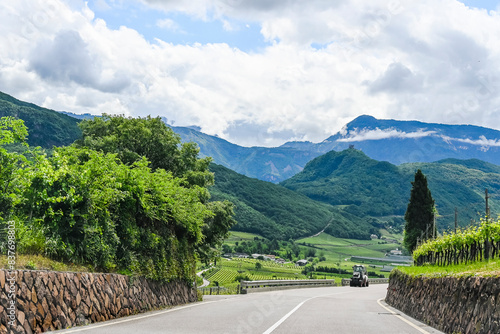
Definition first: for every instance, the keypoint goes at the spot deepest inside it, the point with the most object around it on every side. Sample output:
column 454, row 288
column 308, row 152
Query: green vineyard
column 466, row 246
column 229, row 272
column 222, row 275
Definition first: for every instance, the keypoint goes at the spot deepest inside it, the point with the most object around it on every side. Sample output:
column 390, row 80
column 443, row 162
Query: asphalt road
column 313, row 310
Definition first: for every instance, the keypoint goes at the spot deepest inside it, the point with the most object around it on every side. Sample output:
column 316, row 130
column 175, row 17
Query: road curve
column 313, row 310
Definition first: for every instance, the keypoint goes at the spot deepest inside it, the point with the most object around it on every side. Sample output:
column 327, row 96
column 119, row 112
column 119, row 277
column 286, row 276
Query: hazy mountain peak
column 363, row 121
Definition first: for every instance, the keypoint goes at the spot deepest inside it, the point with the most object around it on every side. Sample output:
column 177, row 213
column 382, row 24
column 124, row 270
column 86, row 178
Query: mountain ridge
column 46, row 127
column 347, row 185
column 394, row 141
column 276, row 212
column 369, row 188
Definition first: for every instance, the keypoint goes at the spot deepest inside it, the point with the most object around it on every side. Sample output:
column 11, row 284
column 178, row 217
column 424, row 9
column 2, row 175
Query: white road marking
column 133, row 318
column 401, row 318
column 273, row 327
column 286, row 316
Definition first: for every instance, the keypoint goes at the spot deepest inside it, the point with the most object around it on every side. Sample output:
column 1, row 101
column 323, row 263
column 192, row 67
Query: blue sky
column 245, row 35
column 486, row 4
column 257, row 72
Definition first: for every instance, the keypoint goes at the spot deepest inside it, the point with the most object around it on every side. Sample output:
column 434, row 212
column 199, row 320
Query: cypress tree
column 419, row 215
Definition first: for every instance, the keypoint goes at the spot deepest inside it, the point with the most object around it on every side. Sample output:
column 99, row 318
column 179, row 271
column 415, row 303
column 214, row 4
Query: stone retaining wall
column 57, row 300
column 450, row 304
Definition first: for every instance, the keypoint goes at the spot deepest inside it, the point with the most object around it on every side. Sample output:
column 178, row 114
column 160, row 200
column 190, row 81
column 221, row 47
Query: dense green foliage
column 279, row 213
column 134, row 138
column 11, row 131
column 419, row 215
column 369, row 188
column 468, row 245
column 46, row 127
column 95, row 209
column 86, row 206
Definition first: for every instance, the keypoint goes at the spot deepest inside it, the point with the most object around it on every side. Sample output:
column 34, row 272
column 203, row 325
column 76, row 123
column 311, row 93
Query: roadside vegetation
column 479, row 268
column 464, row 246
column 468, row 252
column 40, row 262
column 128, row 197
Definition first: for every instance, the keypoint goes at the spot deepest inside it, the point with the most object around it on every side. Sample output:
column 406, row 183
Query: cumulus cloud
column 67, row 59
column 326, row 62
column 64, row 59
column 396, row 78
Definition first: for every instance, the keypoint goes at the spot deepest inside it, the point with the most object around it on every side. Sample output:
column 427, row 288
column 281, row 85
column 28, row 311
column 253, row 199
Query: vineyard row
column 465, row 246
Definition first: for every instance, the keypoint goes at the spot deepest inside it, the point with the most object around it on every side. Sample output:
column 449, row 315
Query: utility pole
column 456, row 219
column 487, row 206
column 487, row 241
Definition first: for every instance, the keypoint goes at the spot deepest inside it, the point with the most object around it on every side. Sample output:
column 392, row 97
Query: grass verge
column 39, row 262
column 482, row 269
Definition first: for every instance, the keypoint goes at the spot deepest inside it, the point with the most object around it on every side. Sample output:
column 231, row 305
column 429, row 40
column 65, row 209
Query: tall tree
column 134, row 138
column 131, row 139
column 419, row 215
column 11, row 131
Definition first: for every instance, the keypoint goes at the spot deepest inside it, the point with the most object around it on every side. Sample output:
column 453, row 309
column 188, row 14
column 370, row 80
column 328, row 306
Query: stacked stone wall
column 46, row 301
column 450, row 304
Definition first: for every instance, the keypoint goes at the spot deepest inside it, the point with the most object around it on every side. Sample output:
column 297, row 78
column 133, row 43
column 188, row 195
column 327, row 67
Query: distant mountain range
column 393, row 141
column 272, row 164
column 352, row 195
column 351, row 192
column 385, row 140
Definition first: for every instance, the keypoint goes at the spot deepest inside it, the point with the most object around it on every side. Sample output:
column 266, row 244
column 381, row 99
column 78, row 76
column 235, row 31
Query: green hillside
column 370, row 188
column 353, row 180
column 46, row 128
column 276, row 212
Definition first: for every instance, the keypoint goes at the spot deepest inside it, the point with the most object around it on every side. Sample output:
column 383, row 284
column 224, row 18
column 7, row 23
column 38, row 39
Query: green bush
column 90, row 207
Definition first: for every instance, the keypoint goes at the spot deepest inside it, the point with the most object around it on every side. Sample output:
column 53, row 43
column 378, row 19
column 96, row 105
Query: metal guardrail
column 346, row 281
column 254, row 286
column 219, row 290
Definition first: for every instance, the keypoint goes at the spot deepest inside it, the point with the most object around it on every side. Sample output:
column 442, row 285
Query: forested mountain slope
column 367, row 187
column 276, row 212
column 46, row 128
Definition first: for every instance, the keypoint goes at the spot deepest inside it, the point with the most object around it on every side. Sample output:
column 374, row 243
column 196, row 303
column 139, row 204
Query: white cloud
column 378, row 134
column 432, row 60
column 357, row 135
column 481, row 141
column 227, row 25
column 169, row 24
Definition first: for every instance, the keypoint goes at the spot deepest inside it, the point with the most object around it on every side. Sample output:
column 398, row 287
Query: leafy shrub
column 30, row 265
column 242, row 277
